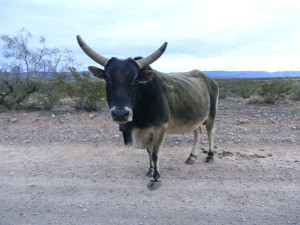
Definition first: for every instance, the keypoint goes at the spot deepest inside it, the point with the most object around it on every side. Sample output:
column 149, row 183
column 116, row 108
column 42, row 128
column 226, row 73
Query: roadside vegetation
column 262, row 91
column 46, row 78
column 43, row 77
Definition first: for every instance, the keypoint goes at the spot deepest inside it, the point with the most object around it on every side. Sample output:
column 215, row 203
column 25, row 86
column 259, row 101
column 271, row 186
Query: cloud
column 199, row 29
column 245, row 63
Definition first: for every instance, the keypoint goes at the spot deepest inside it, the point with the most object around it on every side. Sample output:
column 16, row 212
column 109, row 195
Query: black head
column 123, row 78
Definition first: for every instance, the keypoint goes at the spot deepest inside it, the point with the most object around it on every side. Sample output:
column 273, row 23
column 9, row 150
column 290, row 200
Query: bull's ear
column 146, row 76
column 97, row 72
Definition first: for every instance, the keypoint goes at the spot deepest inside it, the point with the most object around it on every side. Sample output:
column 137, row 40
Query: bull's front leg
column 158, row 138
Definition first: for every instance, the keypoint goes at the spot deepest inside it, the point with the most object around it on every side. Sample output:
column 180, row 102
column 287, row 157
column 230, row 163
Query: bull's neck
column 150, row 108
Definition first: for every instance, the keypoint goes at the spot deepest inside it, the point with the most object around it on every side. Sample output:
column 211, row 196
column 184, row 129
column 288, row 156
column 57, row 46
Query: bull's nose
column 120, row 115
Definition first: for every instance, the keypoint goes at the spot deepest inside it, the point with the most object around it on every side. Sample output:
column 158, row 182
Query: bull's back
column 188, row 97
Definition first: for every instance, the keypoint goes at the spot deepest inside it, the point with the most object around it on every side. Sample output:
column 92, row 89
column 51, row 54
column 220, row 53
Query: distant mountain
column 250, row 74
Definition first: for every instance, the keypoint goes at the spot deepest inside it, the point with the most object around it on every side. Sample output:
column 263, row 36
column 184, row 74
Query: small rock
column 27, row 141
column 170, row 168
column 289, row 140
column 92, row 116
column 226, row 153
column 242, row 155
column 13, row 120
column 116, row 136
column 242, row 121
column 295, row 127
column 53, row 115
column 273, row 121
column 258, row 156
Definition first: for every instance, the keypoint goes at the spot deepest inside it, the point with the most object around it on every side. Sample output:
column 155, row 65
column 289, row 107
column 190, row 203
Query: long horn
column 91, row 53
column 153, row 57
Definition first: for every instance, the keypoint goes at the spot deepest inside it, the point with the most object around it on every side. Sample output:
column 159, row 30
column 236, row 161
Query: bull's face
column 122, row 80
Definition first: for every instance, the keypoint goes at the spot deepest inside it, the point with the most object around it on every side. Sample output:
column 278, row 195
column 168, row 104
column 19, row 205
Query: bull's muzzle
column 121, row 115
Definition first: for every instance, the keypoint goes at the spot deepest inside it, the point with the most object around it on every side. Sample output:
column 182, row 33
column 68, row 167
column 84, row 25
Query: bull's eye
column 135, row 82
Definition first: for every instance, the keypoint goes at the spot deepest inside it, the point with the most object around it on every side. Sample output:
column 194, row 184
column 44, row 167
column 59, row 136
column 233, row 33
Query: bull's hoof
column 190, row 161
column 153, row 185
column 150, row 173
column 209, row 159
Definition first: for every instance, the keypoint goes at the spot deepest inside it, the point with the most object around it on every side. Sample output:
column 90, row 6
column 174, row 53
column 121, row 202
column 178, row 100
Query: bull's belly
column 177, row 126
column 143, row 138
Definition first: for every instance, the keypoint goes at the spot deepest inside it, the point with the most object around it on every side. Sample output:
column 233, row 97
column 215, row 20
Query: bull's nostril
column 126, row 114
column 120, row 115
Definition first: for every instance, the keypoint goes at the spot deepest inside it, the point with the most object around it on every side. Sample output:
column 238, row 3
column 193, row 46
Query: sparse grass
column 295, row 91
column 261, row 90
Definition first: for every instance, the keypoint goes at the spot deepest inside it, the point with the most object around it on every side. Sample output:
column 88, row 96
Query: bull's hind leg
column 210, row 127
column 151, row 168
column 211, row 134
column 192, row 158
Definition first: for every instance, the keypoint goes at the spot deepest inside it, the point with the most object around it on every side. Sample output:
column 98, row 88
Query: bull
column 147, row 104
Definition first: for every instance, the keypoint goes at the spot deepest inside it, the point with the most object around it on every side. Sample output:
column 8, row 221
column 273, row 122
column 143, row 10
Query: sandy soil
column 70, row 167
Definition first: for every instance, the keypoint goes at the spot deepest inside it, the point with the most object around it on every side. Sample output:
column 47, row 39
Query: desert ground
column 71, row 167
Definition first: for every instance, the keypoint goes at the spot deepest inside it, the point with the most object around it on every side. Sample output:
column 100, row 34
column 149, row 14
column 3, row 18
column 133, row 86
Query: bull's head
column 122, row 79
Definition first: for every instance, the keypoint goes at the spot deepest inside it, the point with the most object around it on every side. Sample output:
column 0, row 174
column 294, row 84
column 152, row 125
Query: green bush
column 85, row 93
column 274, row 91
column 255, row 99
column 49, row 95
column 295, row 91
column 36, row 92
column 236, row 88
column 223, row 93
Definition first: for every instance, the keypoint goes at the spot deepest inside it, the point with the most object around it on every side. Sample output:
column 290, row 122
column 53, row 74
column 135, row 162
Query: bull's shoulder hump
column 201, row 75
column 193, row 73
column 194, row 76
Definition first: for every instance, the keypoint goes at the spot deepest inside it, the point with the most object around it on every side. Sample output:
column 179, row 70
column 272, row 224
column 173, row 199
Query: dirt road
column 68, row 167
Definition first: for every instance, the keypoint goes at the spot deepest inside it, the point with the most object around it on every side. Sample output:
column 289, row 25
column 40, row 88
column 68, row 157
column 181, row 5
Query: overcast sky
column 201, row 34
